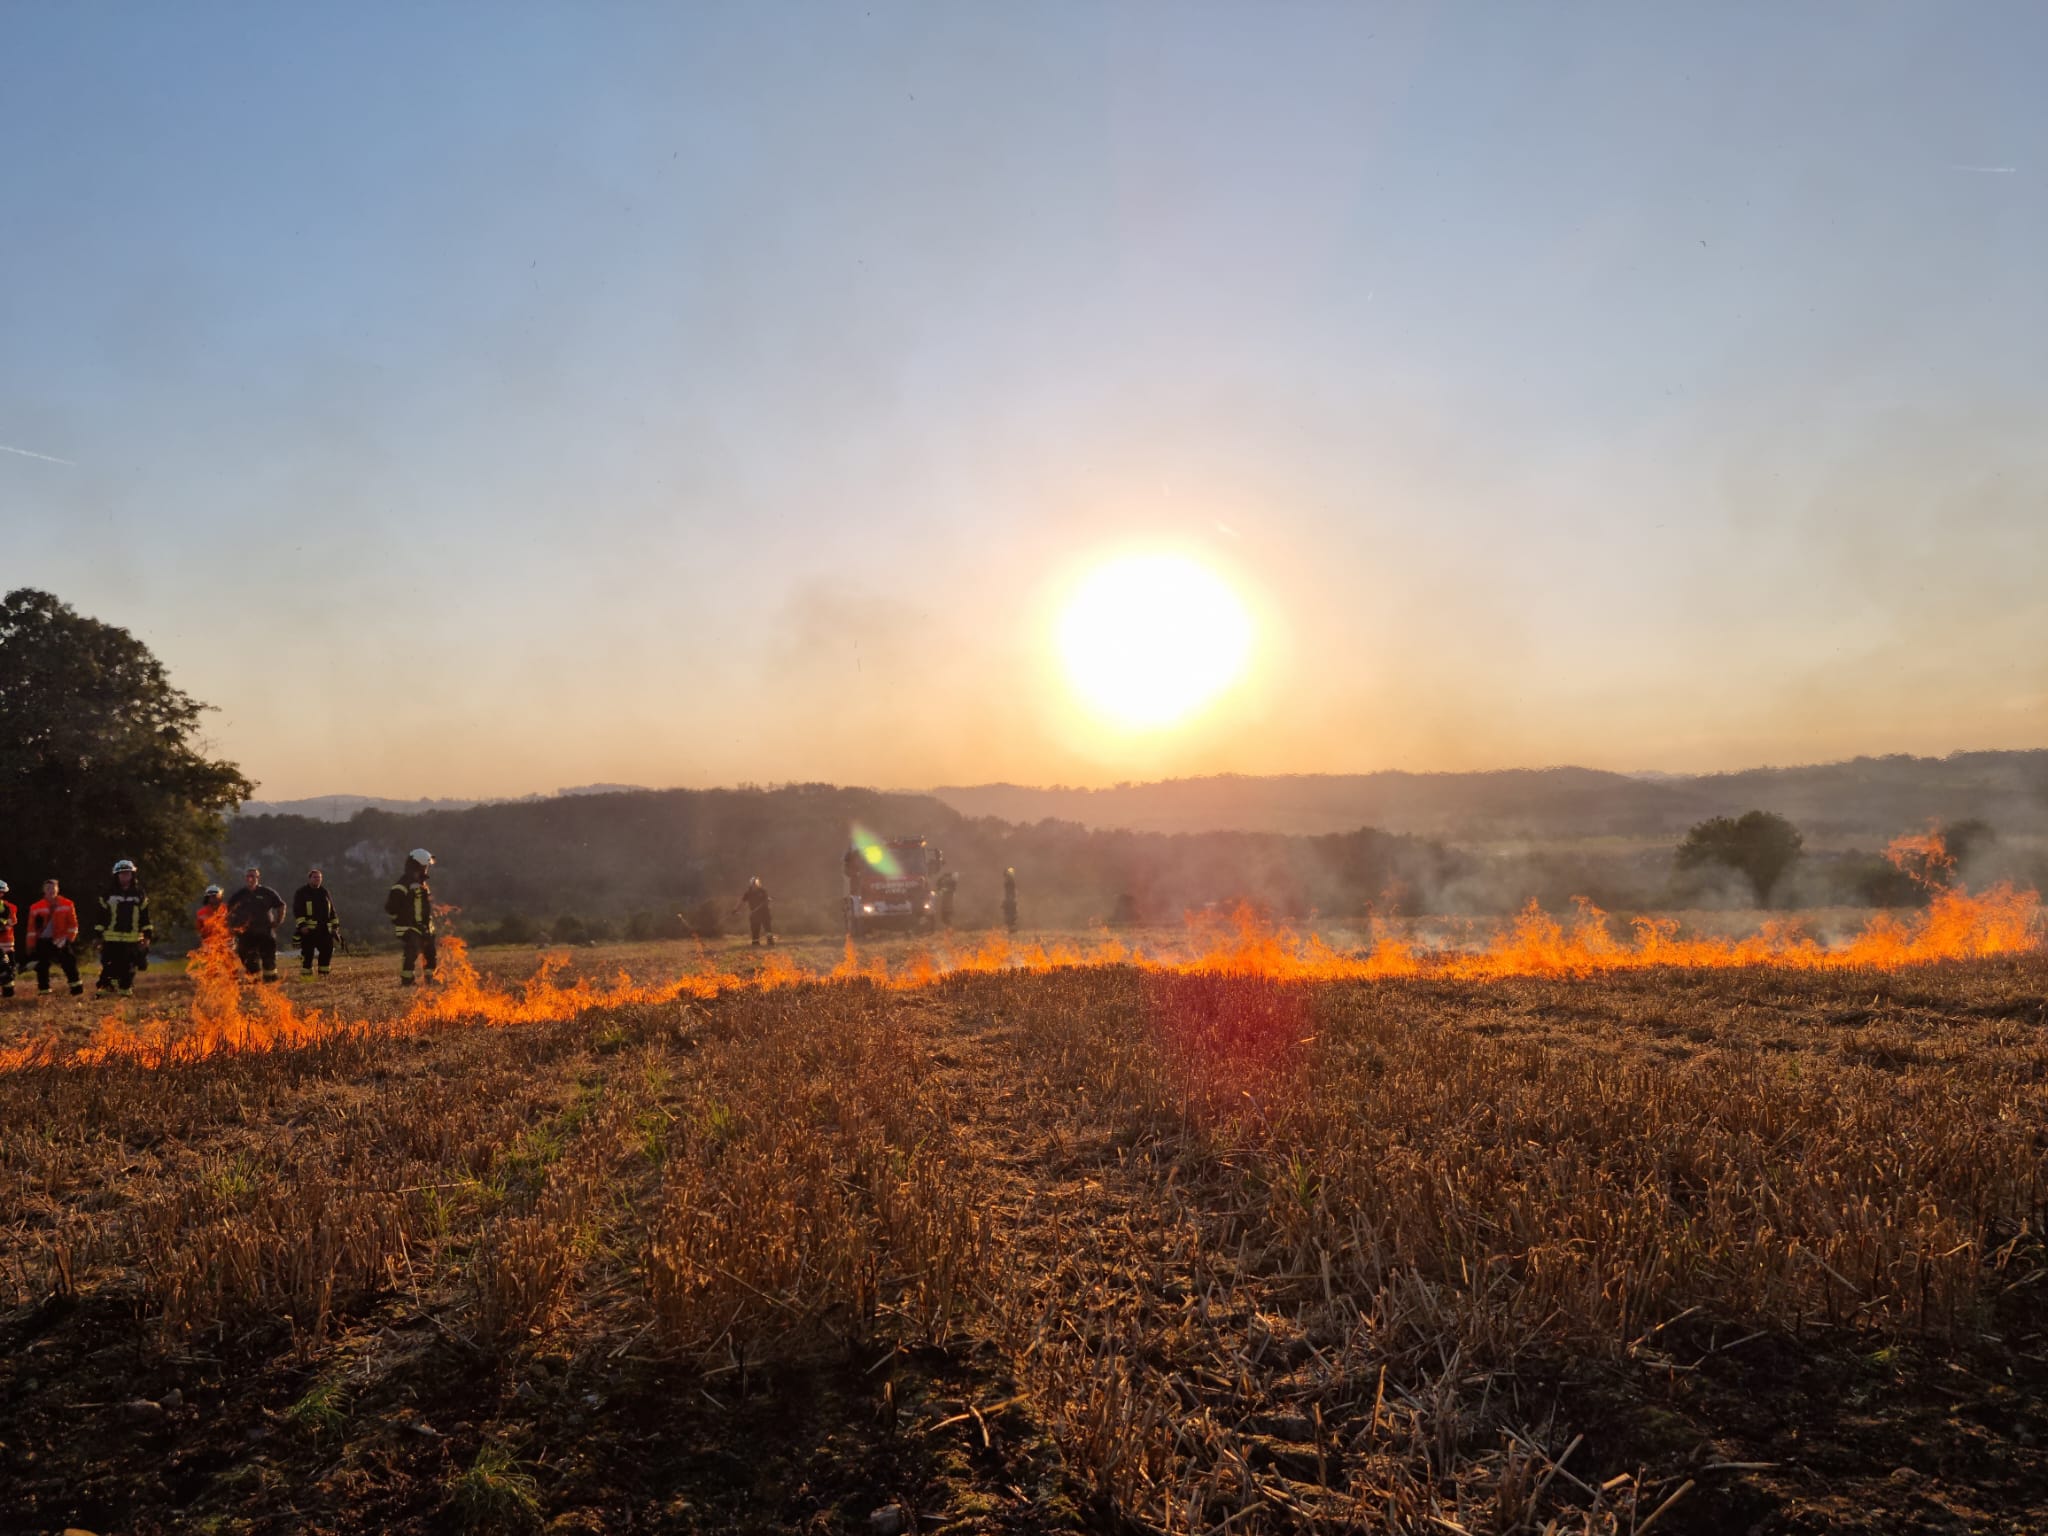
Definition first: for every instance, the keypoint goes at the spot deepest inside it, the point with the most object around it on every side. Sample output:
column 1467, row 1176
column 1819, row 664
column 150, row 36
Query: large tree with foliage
column 1758, row 845
column 100, row 758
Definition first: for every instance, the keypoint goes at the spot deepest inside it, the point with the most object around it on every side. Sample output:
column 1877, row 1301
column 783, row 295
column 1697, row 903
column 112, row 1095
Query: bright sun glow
column 1148, row 639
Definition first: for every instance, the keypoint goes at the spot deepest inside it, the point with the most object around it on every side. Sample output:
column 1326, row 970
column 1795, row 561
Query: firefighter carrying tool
column 315, row 921
column 410, row 906
column 124, row 930
column 759, row 919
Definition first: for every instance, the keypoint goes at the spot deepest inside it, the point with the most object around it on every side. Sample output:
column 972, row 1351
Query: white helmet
column 3, row 887
column 124, row 866
column 421, row 857
column 212, row 890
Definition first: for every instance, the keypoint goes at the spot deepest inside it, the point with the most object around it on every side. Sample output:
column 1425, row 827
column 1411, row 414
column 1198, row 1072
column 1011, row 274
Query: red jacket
column 210, row 918
column 59, row 919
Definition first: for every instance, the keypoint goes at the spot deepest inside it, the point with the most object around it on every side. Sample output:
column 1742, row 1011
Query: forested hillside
column 1866, row 798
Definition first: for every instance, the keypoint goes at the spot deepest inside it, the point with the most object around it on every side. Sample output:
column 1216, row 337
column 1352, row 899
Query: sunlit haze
column 478, row 400
column 1149, row 639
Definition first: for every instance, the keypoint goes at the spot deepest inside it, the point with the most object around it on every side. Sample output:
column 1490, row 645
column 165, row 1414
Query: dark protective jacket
column 253, row 911
column 313, row 910
column 124, row 916
column 410, row 906
column 755, row 897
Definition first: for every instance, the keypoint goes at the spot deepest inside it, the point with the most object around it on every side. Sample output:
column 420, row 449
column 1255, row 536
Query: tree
column 100, row 757
column 1758, row 845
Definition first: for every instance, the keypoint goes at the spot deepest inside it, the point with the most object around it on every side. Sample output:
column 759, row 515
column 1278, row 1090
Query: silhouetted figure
column 759, row 921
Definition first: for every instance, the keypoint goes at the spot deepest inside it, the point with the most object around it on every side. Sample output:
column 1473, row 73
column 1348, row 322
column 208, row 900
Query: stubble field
column 1099, row 1247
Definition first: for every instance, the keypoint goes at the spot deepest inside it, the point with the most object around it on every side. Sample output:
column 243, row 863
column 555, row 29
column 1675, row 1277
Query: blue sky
column 471, row 399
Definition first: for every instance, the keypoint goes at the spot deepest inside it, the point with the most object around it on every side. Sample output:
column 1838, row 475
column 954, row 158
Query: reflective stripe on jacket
column 124, row 916
column 411, row 908
column 312, row 907
column 52, row 921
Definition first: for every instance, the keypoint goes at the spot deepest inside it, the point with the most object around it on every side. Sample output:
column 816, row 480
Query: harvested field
column 1097, row 1247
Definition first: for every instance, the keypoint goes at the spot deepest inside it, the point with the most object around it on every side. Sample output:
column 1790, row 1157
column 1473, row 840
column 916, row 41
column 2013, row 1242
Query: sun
column 1148, row 639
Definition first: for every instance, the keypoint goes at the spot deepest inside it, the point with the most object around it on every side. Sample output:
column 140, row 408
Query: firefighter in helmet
column 1010, row 899
column 755, row 899
column 123, row 930
column 410, row 906
column 10, row 961
column 210, row 917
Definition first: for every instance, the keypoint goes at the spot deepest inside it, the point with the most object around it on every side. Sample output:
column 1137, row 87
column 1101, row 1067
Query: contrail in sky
column 30, row 453
column 1991, row 170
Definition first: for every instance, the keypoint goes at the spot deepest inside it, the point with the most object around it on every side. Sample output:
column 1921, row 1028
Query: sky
column 473, row 400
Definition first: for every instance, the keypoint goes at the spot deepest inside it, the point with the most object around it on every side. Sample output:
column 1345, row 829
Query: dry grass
column 1184, row 1252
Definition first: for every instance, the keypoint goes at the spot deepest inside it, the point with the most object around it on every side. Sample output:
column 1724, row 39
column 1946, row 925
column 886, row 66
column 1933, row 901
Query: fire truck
column 892, row 884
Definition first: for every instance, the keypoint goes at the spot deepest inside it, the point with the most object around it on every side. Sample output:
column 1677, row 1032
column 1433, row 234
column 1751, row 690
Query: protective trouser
column 120, row 959
column 49, row 953
column 316, row 942
column 759, row 922
column 1010, row 913
column 256, row 950
column 6, row 972
column 418, row 946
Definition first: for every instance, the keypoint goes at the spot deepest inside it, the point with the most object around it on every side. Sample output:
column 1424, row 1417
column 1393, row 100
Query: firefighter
column 755, row 899
column 210, row 917
column 1010, row 899
column 949, row 883
column 253, row 914
column 316, row 922
column 52, row 929
column 9, row 962
column 123, row 930
column 410, row 906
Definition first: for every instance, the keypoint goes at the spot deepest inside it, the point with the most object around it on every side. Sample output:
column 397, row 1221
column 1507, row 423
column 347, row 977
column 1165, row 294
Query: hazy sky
column 476, row 399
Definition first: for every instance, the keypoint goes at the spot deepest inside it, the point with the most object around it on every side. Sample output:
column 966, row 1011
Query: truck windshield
column 894, row 862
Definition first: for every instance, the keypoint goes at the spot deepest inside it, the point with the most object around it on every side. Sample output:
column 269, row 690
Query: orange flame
column 225, row 1015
